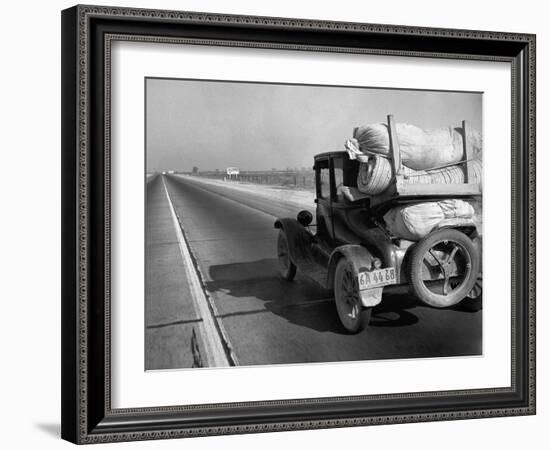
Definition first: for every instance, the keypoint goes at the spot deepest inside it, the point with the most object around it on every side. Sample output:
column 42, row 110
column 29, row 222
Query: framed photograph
column 279, row 224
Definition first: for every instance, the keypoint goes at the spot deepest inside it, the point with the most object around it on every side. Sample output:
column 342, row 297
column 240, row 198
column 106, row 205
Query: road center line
column 215, row 352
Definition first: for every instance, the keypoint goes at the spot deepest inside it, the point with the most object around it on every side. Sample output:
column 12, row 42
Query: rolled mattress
column 376, row 175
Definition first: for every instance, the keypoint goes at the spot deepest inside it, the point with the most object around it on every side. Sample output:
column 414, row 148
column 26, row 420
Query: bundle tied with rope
column 427, row 156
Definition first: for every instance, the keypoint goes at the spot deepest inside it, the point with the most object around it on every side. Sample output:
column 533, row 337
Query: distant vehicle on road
column 350, row 251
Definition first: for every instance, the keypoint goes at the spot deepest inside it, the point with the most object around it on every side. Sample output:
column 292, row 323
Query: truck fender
column 466, row 225
column 299, row 239
column 361, row 259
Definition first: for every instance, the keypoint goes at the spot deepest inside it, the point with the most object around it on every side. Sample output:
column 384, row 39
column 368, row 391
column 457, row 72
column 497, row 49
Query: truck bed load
column 416, row 163
column 375, row 175
column 417, row 220
column 420, row 149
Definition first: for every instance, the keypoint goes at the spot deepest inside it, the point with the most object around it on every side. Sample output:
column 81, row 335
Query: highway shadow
column 302, row 302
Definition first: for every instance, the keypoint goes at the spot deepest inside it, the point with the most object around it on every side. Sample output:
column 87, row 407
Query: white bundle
column 420, row 149
column 415, row 221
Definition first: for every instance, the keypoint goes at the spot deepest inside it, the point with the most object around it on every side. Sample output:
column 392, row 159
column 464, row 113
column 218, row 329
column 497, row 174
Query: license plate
column 376, row 278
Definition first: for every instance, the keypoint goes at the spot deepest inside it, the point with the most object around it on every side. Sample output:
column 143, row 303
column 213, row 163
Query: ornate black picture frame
column 87, row 34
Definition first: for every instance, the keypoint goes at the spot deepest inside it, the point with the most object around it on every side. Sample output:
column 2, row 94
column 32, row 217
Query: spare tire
column 450, row 261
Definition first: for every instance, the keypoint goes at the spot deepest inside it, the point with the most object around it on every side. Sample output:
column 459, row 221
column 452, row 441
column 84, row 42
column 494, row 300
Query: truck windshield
column 338, row 165
column 323, row 178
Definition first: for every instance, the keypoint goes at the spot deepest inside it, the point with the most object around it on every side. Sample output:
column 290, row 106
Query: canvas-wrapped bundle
column 420, row 149
column 375, row 175
column 415, row 221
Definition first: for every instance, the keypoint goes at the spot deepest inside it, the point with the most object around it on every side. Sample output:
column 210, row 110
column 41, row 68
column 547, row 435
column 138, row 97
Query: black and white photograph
column 295, row 224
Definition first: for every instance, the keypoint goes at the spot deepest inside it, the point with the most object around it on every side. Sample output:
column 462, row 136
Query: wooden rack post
column 395, row 151
column 467, row 153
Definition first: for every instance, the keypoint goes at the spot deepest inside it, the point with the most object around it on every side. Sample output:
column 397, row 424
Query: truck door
column 343, row 176
column 323, row 187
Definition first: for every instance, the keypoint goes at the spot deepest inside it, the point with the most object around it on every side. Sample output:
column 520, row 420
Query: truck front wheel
column 287, row 268
column 353, row 316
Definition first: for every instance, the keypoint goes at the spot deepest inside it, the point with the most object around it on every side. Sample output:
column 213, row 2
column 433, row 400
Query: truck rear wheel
column 353, row 316
column 449, row 256
column 287, row 268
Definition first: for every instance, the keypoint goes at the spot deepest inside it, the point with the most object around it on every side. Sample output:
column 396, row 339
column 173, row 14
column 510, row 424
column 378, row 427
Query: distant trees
column 195, row 169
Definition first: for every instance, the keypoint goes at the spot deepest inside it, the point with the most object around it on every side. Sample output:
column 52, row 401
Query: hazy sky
column 214, row 125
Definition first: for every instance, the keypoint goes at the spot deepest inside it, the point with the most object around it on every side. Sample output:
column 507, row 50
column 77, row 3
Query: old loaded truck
column 350, row 250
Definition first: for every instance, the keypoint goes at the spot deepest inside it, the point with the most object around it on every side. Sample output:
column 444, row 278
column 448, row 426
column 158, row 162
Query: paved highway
column 213, row 295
